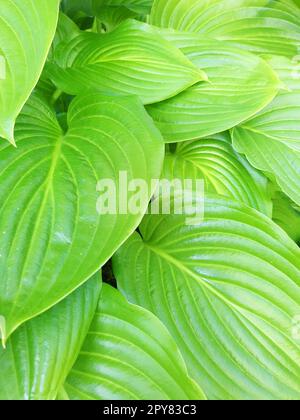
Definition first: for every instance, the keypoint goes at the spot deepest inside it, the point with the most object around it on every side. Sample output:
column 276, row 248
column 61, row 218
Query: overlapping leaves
column 219, row 299
column 228, row 291
column 240, row 84
column 130, row 60
column 40, row 354
column 122, row 358
column 260, row 26
column 271, row 140
column 27, row 29
column 54, row 239
column 224, row 171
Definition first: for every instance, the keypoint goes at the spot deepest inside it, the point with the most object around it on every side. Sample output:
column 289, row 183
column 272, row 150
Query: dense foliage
column 137, row 305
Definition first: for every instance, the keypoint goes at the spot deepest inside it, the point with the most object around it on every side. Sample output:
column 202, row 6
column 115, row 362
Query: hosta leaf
column 27, row 28
column 132, row 59
column 276, row 129
column 240, row 84
column 287, row 215
column 229, row 292
column 261, row 26
column 128, row 355
column 224, row 171
column 52, row 237
column 271, row 142
column 40, row 354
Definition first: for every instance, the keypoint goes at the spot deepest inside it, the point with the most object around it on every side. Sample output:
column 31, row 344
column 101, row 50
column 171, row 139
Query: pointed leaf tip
column 7, row 131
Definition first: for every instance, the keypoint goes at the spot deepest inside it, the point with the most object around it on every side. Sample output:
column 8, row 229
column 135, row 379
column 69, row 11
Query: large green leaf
column 271, row 142
column 128, row 355
column 261, row 26
column 240, row 84
column 132, row 59
column 224, row 171
column 228, row 290
column 52, row 236
column 40, row 354
column 27, row 28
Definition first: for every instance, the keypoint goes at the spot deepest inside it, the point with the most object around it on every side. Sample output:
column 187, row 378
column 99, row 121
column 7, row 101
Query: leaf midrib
column 48, row 183
column 269, row 136
column 200, row 280
column 203, row 283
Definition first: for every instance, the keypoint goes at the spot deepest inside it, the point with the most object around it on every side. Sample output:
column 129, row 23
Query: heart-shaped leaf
column 40, row 354
column 27, row 28
column 53, row 235
column 133, row 59
column 223, row 171
column 228, row 290
column 128, row 355
column 260, row 26
column 240, row 84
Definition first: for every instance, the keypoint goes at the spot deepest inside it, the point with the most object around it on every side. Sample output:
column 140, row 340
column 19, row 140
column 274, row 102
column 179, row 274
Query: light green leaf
column 52, row 238
column 128, row 355
column 132, row 59
column 240, row 84
column 260, row 26
column 271, row 142
column 287, row 215
column 27, row 28
column 223, row 171
column 228, row 290
column 41, row 353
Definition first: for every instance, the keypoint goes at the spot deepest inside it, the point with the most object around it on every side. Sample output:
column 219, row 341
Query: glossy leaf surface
column 41, row 352
column 228, row 290
column 128, row 354
column 53, row 237
column 240, row 84
column 223, row 171
column 260, row 26
column 133, row 59
column 27, row 28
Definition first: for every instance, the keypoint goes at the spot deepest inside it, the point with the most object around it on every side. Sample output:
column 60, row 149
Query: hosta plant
column 150, row 199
